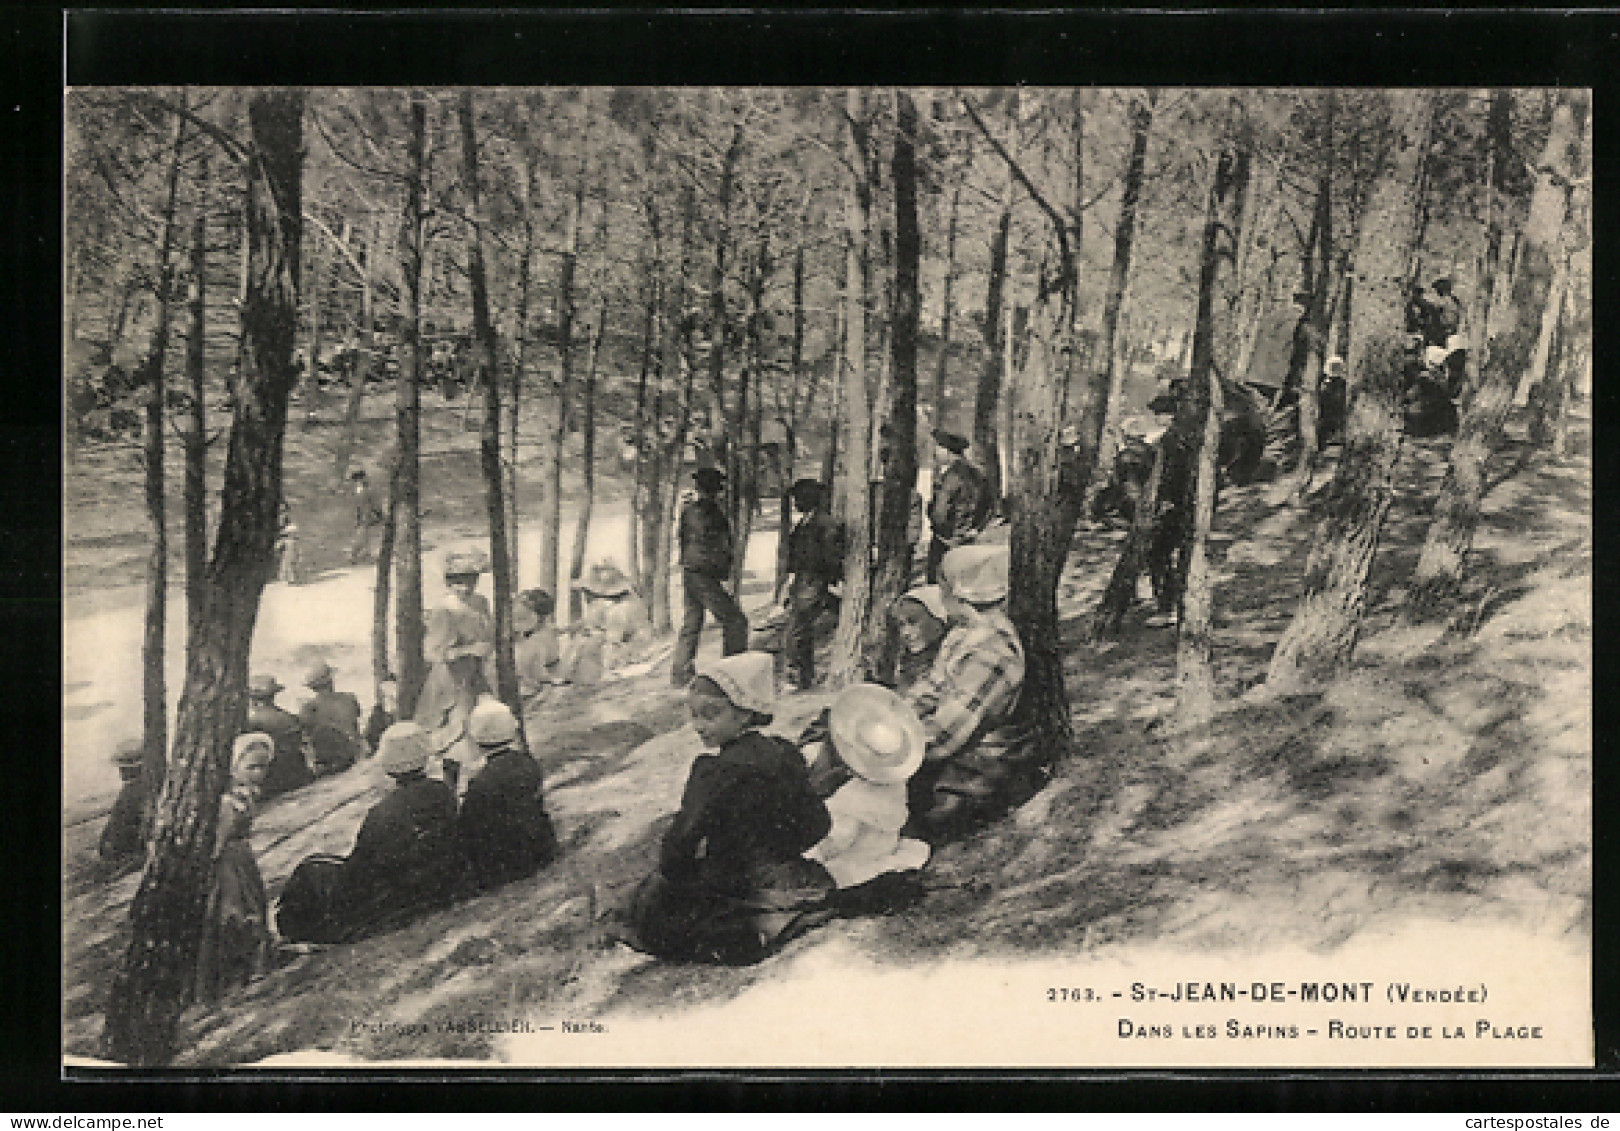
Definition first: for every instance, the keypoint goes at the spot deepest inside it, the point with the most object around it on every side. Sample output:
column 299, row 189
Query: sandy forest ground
column 1447, row 778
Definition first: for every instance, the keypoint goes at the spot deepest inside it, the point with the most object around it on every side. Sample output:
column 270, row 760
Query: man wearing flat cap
column 967, row 699
column 961, row 503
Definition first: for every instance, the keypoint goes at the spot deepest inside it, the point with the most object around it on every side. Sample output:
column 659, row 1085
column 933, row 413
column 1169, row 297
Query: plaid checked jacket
column 974, row 683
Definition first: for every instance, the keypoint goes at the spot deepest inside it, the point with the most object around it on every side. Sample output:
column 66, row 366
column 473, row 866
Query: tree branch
column 234, row 149
column 1019, row 175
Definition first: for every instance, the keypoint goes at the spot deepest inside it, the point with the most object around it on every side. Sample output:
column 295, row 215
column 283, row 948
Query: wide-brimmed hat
column 605, row 579
column 492, row 723
column 403, row 748
column 977, row 574
column 953, row 442
column 877, row 733
column 748, row 679
column 264, row 686
column 466, row 563
column 929, row 597
column 319, row 675
column 130, row 752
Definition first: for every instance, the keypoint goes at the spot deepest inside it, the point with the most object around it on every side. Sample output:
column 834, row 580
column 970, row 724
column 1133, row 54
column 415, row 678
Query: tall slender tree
column 409, row 627
column 1456, row 512
column 486, row 352
column 158, row 968
column 1216, row 343
column 1322, row 636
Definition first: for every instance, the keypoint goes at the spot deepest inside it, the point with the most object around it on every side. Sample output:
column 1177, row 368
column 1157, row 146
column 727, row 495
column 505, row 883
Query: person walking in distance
column 367, row 517
column 706, row 549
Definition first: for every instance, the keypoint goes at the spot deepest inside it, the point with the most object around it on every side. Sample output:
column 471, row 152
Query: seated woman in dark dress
column 732, row 885
column 407, row 859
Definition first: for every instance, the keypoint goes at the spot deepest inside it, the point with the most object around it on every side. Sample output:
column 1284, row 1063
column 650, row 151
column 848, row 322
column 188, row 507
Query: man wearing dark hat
column 815, row 561
column 122, row 842
column 289, row 769
column 706, row 549
column 331, row 722
column 961, row 503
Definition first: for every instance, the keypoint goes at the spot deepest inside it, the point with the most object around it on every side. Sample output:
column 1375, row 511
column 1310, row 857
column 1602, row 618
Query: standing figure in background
column 289, row 769
column 367, row 517
column 459, row 642
column 122, row 839
column 384, row 712
column 706, row 549
column 331, row 722
column 289, row 555
column 815, row 562
column 236, row 938
column 961, row 503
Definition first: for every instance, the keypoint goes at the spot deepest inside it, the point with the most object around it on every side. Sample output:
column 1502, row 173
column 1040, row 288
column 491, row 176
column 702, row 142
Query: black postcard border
column 319, row 46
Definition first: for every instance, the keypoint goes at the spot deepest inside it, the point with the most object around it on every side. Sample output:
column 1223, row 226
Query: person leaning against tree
column 706, row 549
column 974, row 761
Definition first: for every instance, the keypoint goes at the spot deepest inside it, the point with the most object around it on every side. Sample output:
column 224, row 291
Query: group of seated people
column 774, row 837
column 420, row 849
column 323, row 738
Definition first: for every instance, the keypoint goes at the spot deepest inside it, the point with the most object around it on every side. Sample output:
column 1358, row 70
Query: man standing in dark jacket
column 503, row 822
column 961, row 503
column 706, row 548
column 289, row 769
column 815, row 561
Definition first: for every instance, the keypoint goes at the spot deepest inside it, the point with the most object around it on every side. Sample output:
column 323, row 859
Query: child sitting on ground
column 880, row 739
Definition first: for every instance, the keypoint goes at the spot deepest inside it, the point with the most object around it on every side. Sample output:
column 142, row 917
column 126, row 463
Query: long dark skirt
column 236, row 929
column 685, row 923
column 304, row 913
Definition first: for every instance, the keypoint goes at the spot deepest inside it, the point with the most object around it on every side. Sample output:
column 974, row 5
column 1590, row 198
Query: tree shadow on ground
column 1446, row 774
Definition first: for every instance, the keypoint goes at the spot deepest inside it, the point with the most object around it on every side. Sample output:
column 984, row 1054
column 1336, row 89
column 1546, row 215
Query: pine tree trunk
column 1318, row 644
column 943, row 370
column 486, row 345
column 555, row 411
column 587, row 458
column 1216, row 343
column 987, row 399
column 154, row 689
column 1315, row 279
column 847, row 662
column 196, row 433
column 360, row 375
column 1450, row 536
column 892, row 570
column 409, row 626
column 381, row 668
column 1112, row 345
column 156, row 974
